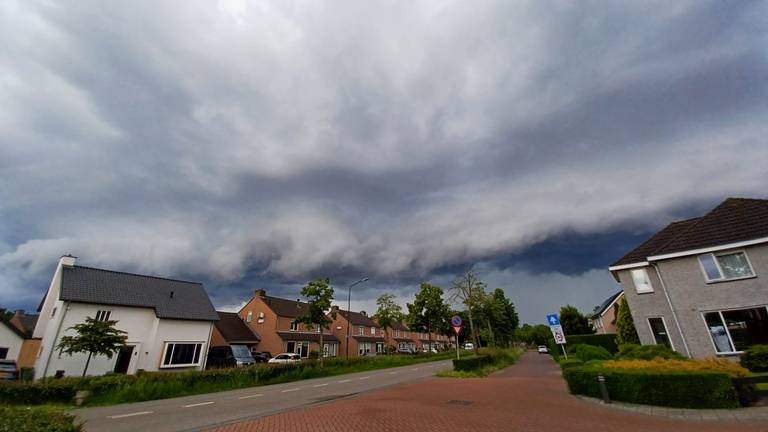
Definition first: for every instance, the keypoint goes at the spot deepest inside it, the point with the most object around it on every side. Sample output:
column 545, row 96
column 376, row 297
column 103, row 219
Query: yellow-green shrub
column 676, row 365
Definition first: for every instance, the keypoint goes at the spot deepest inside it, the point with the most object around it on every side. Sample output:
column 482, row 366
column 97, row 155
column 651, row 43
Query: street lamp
column 349, row 317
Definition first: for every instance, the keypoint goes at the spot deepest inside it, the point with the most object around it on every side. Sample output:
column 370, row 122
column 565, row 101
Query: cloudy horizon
column 259, row 145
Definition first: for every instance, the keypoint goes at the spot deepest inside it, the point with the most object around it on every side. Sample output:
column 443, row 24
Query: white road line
column 290, row 390
column 344, row 381
column 431, row 366
column 362, row 378
column 250, row 396
column 129, row 415
column 393, row 373
column 197, row 404
column 415, row 369
column 320, row 385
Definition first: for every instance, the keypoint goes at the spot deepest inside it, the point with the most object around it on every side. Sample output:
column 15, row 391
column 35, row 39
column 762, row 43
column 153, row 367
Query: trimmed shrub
column 607, row 341
column 471, row 363
column 590, row 352
column 647, row 352
column 679, row 389
column 676, row 365
column 38, row 392
column 755, row 358
column 570, row 362
column 19, row 419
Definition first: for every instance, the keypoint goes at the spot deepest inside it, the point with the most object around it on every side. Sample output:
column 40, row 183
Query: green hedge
column 647, row 352
column 570, row 362
column 38, row 392
column 472, row 363
column 19, row 419
column 756, row 358
column 590, row 352
column 670, row 389
column 607, row 341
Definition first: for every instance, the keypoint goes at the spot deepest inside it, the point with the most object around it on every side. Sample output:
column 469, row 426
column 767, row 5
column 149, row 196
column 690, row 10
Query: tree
column 503, row 317
column 470, row 291
column 429, row 312
column 388, row 312
column 573, row 322
column 93, row 337
column 625, row 326
column 534, row 335
column 319, row 294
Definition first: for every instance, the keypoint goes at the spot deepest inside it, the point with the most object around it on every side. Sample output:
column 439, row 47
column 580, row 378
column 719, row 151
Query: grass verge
column 501, row 358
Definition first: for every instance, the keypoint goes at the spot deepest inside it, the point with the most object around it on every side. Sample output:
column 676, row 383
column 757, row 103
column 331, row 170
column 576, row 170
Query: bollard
column 603, row 388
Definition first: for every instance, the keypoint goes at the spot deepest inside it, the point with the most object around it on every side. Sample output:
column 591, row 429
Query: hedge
column 19, row 419
column 570, row 362
column 607, row 341
column 647, row 352
column 662, row 388
column 472, row 363
column 590, row 352
column 755, row 358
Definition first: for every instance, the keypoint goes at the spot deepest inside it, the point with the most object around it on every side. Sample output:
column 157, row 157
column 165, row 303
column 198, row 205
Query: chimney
column 298, row 303
column 67, row 260
column 335, row 308
column 259, row 293
column 363, row 313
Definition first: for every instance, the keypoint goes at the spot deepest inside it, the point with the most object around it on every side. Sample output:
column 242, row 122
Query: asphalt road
column 192, row 413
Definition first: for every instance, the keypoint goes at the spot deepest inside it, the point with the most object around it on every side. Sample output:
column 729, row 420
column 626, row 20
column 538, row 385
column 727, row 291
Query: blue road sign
column 456, row 321
column 553, row 320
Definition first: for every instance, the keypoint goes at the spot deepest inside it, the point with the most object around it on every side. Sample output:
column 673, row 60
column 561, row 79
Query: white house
column 11, row 340
column 168, row 322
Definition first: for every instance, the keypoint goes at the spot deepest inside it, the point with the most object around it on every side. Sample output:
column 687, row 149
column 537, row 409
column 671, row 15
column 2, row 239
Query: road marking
column 197, row 404
column 431, row 366
column 393, row 373
column 290, row 390
column 250, row 396
column 320, row 385
column 362, row 378
column 415, row 369
column 129, row 415
column 345, row 381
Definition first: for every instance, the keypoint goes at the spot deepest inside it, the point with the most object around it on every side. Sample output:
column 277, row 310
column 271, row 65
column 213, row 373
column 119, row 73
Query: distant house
column 399, row 337
column 700, row 286
column 274, row 320
column 27, row 354
column 365, row 335
column 168, row 322
column 603, row 319
column 230, row 329
column 11, row 340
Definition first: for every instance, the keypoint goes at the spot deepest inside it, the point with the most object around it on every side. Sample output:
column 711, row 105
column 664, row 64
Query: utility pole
column 349, row 306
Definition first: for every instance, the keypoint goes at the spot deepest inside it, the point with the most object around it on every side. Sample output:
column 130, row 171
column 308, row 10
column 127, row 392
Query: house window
column 397, row 333
column 249, row 317
column 290, row 347
column 734, row 331
column 641, row 280
column 659, row 330
column 363, row 348
column 294, row 326
column 103, row 315
column 361, row 331
column 330, row 349
column 261, row 317
column 317, row 329
column 373, row 331
column 379, row 348
column 726, row 266
column 3, row 353
column 181, row 354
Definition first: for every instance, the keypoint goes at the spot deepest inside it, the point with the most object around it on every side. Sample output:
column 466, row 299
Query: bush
column 571, row 362
column 756, row 358
column 679, row 389
column 647, row 352
column 675, row 365
column 19, row 419
column 471, row 363
column 38, row 392
column 590, row 352
column 607, row 341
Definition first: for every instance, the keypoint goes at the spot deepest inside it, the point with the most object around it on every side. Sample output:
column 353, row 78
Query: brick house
column 700, row 285
column 274, row 320
column 230, row 329
column 399, row 338
column 365, row 334
column 603, row 319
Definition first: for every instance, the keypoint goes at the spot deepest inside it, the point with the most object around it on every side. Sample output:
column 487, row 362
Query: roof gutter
column 709, row 249
column 672, row 308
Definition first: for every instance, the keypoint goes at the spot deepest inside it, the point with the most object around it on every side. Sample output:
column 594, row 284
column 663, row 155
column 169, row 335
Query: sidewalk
column 530, row 396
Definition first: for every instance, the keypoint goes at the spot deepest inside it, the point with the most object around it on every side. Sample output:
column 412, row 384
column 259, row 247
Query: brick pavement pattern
column 529, row 396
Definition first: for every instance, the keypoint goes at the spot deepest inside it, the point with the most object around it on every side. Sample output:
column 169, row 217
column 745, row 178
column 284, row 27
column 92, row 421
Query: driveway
column 530, row 396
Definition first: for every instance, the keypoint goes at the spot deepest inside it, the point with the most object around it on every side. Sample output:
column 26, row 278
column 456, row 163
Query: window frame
column 200, row 356
column 725, row 326
column 294, row 326
column 103, row 314
column 722, row 278
column 647, row 277
column 666, row 328
column 4, row 352
column 249, row 316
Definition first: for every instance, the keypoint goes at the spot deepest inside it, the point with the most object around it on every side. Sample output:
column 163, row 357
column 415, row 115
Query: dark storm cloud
column 257, row 145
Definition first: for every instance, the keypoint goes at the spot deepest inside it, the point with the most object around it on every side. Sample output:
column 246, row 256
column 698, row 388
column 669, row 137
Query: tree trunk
column 86, row 363
column 321, row 352
column 490, row 333
column 472, row 329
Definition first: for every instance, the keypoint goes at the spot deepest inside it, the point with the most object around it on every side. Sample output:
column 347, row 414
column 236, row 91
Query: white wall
column 9, row 339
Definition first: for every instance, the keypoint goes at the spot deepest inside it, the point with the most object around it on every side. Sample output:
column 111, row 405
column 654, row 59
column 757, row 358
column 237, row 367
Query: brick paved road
column 530, row 396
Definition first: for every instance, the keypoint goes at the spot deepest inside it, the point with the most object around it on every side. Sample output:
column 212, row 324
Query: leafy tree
column 625, row 326
column 503, row 317
column 534, row 335
column 574, row 322
column 388, row 312
column 319, row 294
column 93, row 337
column 429, row 312
column 468, row 290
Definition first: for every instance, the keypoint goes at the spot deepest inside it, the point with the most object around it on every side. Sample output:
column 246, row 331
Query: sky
column 262, row 144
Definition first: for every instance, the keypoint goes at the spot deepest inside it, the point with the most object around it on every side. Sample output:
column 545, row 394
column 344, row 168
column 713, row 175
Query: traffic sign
column 553, row 320
column 557, row 333
column 457, row 324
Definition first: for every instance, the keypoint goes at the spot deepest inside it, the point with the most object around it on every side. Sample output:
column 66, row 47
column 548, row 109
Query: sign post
column 557, row 331
column 457, row 325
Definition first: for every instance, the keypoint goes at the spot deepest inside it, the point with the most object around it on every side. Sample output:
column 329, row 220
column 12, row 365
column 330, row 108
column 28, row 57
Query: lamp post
column 349, row 301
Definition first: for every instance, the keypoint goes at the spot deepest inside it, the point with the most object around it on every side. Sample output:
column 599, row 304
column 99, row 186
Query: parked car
column 543, row 349
column 229, row 356
column 406, row 351
column 469, row 346
column 285, row 358
column 261, row 356
column 8, row 370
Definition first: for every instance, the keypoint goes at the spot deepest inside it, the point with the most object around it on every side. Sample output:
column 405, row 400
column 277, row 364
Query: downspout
column 671, row 308
column 65, row 307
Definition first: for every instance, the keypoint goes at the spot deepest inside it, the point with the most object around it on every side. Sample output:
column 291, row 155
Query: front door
column 124, row 359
